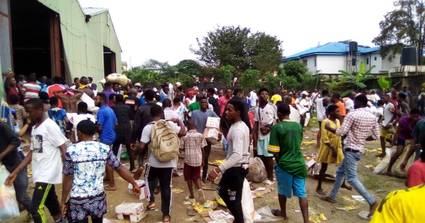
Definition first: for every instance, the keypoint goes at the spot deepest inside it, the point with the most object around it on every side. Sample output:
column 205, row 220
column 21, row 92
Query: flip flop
column 151, row 206
column 109, row 188
column 364, row 215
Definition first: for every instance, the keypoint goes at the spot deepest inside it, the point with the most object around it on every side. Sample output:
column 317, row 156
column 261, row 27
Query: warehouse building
column 57, row 38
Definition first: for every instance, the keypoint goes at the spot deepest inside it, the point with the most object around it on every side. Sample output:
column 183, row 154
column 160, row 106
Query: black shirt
column 122, row 112
column 214, row 103
column 133, row 103
column 7, row 137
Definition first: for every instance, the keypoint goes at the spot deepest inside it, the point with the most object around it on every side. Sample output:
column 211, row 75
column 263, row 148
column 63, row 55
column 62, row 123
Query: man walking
column 359, row 125
column 106, row 123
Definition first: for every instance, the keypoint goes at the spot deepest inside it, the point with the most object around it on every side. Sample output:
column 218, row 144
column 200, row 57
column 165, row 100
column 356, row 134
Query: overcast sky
column 165, row 30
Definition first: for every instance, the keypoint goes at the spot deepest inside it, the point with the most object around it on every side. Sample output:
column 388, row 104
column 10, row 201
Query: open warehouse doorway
column 36, row 39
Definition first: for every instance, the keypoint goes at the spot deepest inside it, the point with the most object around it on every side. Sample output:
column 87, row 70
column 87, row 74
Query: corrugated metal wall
column 83, row 42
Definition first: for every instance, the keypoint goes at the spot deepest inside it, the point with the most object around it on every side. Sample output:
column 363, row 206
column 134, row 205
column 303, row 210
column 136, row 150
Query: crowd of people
column 77, row 132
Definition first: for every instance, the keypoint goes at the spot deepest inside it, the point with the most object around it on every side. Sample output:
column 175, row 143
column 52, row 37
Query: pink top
column 416, row 174
column 222, row 102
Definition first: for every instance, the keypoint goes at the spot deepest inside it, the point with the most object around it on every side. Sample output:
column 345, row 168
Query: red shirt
column 55, row 88
column 416, row 174
column 222, row 102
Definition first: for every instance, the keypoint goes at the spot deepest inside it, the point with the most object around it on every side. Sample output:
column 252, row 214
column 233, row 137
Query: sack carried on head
column 165, row 143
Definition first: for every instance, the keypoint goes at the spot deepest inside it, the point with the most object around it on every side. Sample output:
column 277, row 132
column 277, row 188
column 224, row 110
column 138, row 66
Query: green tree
column 225, row 46
column 238, row 47
column 271, row 81
column 225, row 75
column 349, row 81
column 265, row 52
column 384, row 83
column 189, row 67
column 250, row 80
column 144, row 76
column 404, row 26
column 289, row 82
column 295, row 69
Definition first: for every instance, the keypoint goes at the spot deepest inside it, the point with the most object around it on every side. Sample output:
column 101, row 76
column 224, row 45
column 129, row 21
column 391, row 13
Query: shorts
column 288, row 184
column 80, row 208
column 262, row 147
column 191, row 172
column 387, row 133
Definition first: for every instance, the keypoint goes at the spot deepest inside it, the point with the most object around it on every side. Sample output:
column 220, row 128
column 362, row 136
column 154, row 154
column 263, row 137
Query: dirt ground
column 377, row 184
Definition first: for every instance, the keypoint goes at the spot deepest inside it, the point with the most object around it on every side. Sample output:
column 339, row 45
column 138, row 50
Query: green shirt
column 285, row 142
column 194, row 106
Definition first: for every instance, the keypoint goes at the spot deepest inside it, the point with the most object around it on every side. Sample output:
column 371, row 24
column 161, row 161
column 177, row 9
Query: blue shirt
column 58, row 115
column 199, row 118
column 107, row 120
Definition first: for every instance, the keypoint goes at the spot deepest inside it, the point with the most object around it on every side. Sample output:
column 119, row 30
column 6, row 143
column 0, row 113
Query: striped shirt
column 31, row 90
column 358, row 125
column 193, row 143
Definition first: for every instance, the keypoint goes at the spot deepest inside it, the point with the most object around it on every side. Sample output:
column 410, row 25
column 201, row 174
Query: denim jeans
column 348, row 170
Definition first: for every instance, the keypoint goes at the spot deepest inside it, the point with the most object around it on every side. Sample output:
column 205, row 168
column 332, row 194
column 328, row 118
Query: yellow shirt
column 402, row 206
column 275, row 98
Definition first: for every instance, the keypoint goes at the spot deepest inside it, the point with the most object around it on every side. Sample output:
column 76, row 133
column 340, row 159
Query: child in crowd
column 57, row 114
column 330, row 145
column 84, row 169
column 47, row 150
column 193, row 143
column 291, row 172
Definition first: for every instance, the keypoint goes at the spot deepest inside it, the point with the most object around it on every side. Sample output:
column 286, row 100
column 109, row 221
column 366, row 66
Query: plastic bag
column 257, row 172
column 247, row 203
column 8, row 205
column 383, row 165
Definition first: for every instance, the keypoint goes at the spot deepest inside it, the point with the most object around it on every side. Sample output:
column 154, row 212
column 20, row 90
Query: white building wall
column 391, row 63
column 310, row 62
column 375, row 63
column 330, row 64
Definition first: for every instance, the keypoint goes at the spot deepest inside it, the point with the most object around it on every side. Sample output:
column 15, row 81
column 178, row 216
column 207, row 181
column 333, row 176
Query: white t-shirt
column 169, row 114
column 321, row 110
column 305, row 103
column 265, row 116
column 349, row 104
column 389, row 110
column 146, row 138
column 46, row 155
column 295, row 114
column 253, row 98
column 80, row 117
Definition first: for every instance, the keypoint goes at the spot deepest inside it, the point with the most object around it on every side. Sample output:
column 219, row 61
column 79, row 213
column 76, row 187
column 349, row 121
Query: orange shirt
column 341, row 108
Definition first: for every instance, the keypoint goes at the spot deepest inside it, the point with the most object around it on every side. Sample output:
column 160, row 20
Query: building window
column 367, row 61
column 375, row 58
column 305, row 62
column 315, row 61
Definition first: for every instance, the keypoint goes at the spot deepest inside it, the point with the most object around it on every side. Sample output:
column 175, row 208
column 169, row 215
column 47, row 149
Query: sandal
column 328, row 199
column 151, row 206
column 166, row 219
column 109, row 188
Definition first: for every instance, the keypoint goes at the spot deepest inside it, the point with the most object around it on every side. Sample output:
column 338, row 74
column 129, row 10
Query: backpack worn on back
column 165, row 143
